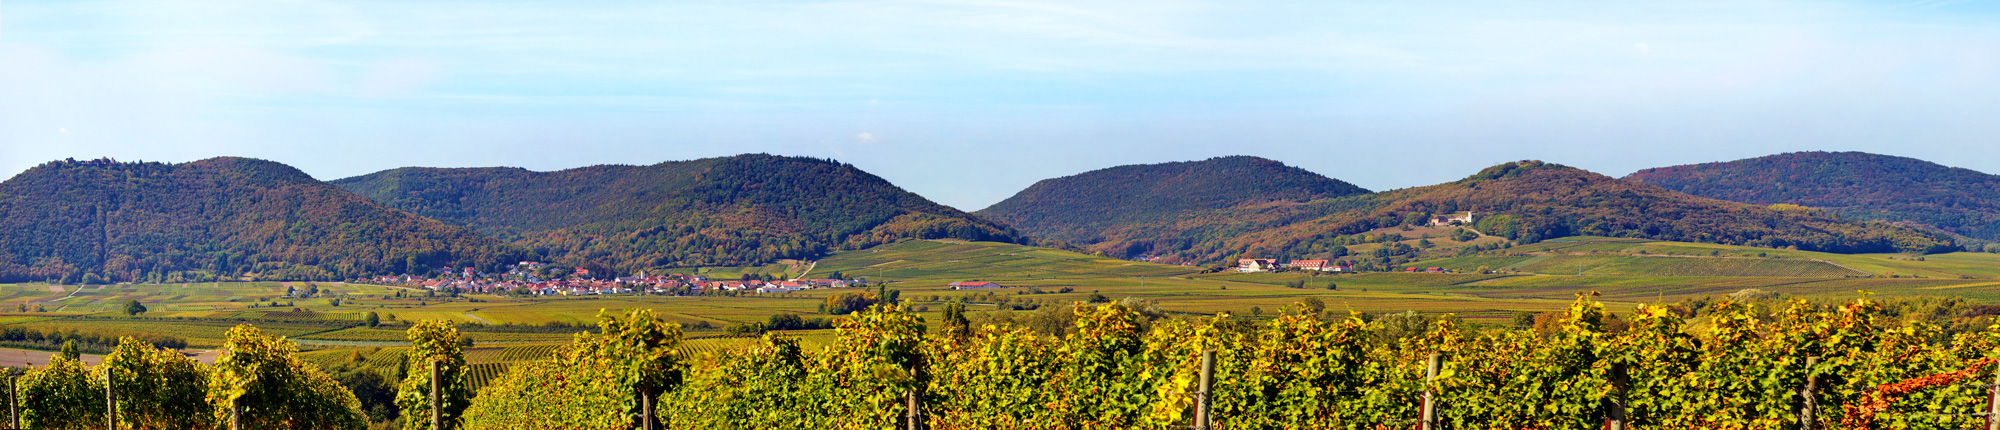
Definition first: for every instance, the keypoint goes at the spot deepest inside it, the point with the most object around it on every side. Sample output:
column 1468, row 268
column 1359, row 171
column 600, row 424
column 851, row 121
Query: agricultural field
column 1533, row 278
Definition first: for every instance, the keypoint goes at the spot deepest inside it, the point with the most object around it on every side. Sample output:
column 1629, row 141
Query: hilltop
column 741, row 210
column 228, row 218
column 1122, row 204
column 1523, row 202
column 1854, row 185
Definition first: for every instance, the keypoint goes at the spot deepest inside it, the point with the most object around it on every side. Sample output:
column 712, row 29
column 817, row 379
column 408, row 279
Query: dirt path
column 809, row 269
column 22, row 358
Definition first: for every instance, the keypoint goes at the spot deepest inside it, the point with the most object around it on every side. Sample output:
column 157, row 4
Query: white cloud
column 865, row 137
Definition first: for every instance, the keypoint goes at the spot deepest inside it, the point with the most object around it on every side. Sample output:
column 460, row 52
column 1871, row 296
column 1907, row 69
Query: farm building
column 1248, row 265
column 975, row 285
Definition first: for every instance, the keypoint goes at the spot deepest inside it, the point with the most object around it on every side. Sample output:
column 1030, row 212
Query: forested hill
column 101, row 220
column 1853, row 184
column 1524, row 201
column 746, row 209
column 1081, row 209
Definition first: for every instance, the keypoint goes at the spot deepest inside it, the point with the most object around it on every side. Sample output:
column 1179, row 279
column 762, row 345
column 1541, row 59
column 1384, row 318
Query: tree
column 785, row 321
column 1313, row 304
column 955, row 324
column 1524, row 319
column 133, row 307
column 371, row 319
column 846, row 303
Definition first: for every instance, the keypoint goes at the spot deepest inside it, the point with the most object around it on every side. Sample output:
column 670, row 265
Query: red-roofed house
column 1310, row 264
column 1254, row 264
column 975, row 285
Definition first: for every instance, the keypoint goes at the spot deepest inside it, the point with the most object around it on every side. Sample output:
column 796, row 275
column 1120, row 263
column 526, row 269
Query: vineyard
column 1745, row 366
column 1749, row 369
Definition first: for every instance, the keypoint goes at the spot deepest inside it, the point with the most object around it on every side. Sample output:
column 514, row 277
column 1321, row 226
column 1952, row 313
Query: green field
column 1536, row 278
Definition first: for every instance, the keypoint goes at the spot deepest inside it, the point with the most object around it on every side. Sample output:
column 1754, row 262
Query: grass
column 1538, row 277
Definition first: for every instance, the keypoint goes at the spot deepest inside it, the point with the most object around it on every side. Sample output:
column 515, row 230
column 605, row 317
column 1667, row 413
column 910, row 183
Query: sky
column 968, row 101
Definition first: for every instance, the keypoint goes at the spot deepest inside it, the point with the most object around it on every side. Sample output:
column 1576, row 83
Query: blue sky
column 967, row 102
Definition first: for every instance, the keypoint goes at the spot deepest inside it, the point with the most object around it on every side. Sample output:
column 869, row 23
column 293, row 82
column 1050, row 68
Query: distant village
column 1250, row 265
column 521, row 279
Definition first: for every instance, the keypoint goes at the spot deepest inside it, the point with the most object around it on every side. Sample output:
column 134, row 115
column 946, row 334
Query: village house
column 1450, row 220
column 1248, row 265
column 1309, row 265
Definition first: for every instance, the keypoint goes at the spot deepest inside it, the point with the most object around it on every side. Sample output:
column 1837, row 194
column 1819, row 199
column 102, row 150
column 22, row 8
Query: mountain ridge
column 1078, row 208
column 740, row 210
column 1857, row 185
column 225, row 217
column 1523, row 201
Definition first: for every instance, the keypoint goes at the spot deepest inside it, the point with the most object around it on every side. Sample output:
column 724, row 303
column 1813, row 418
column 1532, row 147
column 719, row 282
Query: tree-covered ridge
column 1853, row 184
column 741, row 210
column 1080, row 208
column 217, row 218
column 1523, row 201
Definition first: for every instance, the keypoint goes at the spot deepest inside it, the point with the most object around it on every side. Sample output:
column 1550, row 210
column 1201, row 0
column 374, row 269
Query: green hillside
column 1855, row 185
column 1119, row 204
column 730, row 211
column 1524, row 202
column 1603, row 256
column 219, row 218
column 1666, row 271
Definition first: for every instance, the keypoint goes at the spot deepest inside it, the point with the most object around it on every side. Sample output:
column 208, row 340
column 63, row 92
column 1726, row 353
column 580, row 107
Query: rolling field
column 1536, row 278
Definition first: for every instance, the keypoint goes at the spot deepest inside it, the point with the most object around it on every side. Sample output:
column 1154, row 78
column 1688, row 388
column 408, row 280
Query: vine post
column 110, row 401
column 646, row 407
column 437, row 398
column 236, row 414
column 910, row 410
column 1428, row 418
column 1202, row 420
column 1809, row 403
column 1621, row 381
column 14, row 396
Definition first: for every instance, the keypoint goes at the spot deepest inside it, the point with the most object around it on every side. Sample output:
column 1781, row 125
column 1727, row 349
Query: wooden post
column 236, row 414
column 910, row 408
column 1202, row 420
column 110, row 402
column 1808, row 397
column 437, row 408
column 646, row 407
column 14, row 396
column 1429, row 415
column 1621, row 381
column 1993, row 402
